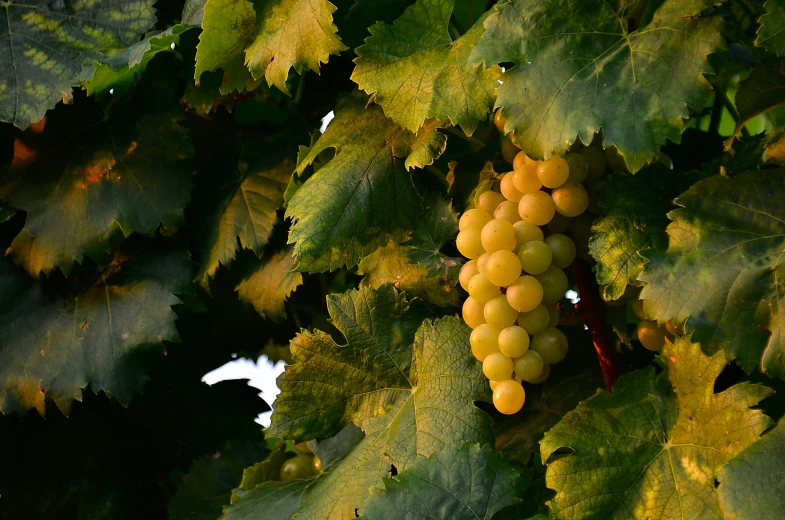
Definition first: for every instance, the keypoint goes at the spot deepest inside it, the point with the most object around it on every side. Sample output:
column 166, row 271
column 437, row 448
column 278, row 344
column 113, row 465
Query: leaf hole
column 393, row 470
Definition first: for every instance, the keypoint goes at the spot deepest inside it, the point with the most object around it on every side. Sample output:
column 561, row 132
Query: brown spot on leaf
column 84, row 326
column 100, row 168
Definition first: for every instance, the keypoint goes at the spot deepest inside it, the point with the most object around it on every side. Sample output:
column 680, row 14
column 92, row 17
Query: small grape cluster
column 303, row 465
column 514, row 276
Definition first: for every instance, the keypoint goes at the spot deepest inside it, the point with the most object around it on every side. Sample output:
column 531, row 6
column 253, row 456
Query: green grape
column 484, row 341
column 535, row 256
column 615, row 159
column 503, row 268
column 513, row 341
column 553, row 314
column 637, row 310
column 520, row 160
column 497, row 367
column 526, row 232
column 508, row 211
column 317, row 464
column 468, row 271
column 550, row 344
column 554, row 284
column 570, row 200
column 299, row 466
column 595, row 158
column 489, row 200
column 676, row 330
column 481, row 288
column 537, row 208
column 482, row 261
column 559, row 223
column 499, row 121
column 469, row 242
column 509, row 148
column 474, row 218
column 579, row 167
column 525, row 178
column 546, row 371
column 528, row 366
column 497, row 235
column 563, row 250
column 508, row 189
column 498, row 313
column 554, row 172
column 473, row 312
column 651, row 335
column 508, row 397
column 525, row 294
column 535, row 321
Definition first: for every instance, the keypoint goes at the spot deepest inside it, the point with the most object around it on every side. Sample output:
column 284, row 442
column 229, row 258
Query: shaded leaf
column 6, row 212
column 762, row 91
column 274, row 500
column 268, row 288
column 193, row 12
column 771, row 35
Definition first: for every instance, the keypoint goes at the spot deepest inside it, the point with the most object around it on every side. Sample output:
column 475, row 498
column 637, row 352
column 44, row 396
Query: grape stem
column 593, row 313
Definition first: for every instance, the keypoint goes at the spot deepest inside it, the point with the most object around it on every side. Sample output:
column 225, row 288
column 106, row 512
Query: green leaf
column 410, row 389
column 297, row 34
column 193, row 12
column 723, row 263
column 580, row 69
column 246, row 216
column 762, row 91
column 416, row 70
column 751, row 484
column 428, row 145
column 652, row 449
column 268, row 288
column 360, row 199
column 98, row 182
column 55, row 347
column 272, row 500
column 771, row 35
column 47, row 44
column 457, row 483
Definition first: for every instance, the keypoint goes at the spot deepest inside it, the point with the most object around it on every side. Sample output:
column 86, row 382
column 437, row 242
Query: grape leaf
column 428, row 145
column 457, row 483
column 193, row 12
column 47, row 44
column 409, row 386
column 771, row 34
column 297, row 34
column 722, row 263
column 56, row 347
column 246, row 216
column 360, row 199
column 268, row 287
column 274, row 500
column 751, row 484
column 762, row 91
column 651, row 451
column 6, row 212
column 416, row 70
column 580, row 69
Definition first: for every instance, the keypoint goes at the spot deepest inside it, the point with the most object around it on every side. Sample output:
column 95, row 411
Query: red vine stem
column 593, row 312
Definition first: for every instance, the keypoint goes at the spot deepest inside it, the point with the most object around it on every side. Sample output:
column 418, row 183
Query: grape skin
column 508, row 397
column 473, row 312
column 299, row 466
column 528, row 366
column 535, row 321
column 503, row 268
column 535, row 257
column 509, row 149
column 537, row 208
column 489, row 200
column 570, row 200
column 496, row 235
column 554, row 284
column 469, row 243
column 554, row 172
column 481, row 288
column 508, row 211
column 467, row 272
column 484, row 341
column 525, row 178
column 651, row 335
column 546, row 371
column 513, row 341
column 562, row 250
column 525, row 294
column 497, row 366
column 550, row 344
column 482, row 261
column 579, row 167
column 498, row 313
column 474, row 218
column 508, row 188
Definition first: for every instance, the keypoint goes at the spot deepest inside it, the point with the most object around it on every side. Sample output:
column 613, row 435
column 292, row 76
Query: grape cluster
column 303, row 465
column 514, row 276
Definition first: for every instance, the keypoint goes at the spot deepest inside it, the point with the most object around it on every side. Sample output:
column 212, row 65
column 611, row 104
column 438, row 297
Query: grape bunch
column 514, row 274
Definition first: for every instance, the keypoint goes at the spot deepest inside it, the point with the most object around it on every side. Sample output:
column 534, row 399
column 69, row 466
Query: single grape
column 467, row 272
column 481, row 288
column 676, row 330
column 317, row 464
column 503, row 268
column 546, row 371
column 473, row 312
column 508, row 189
column 651, row 335
column 508, row 397
column 482, row 261
column 474, row 218
column 528, row 366
column 525, row 178
column 537, row 208
column 513, row 341
column 554, row 284
column 525, row 294
column 570, row 200
column 534, row 321
column 520, row 160
column 498, row 120
column 469, row 242
column 553, row 314
column 498, row 313
column 299, row 466
column 595, row 158
column 615, row 160
column 526, row 232
column 579, row 167
column 488, row 201
column 535, row 256
column 484, row 341
column 637, row 310
column 509, row 148
column 554, row 172
column 508, row 211
column 559, row 223
column 497, row 235
column 563, row 250
column 497, row 367
column 550, row 344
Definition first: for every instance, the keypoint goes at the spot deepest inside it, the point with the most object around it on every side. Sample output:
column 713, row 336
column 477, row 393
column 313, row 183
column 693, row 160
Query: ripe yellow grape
column 526, row 232
column 508, row 189
column 537, row 208
column 525, row 178
column 579, row 167
column 562, row 249
column 546, row 371
column 553, row 314
column 503, row 268
column 481, row 261
column 497, row 367
column 488, row 201
column 484, row 341
column 550, row 344
column 595, row 158
column 651, row 335
column 554, row 284
column 535, row 256
column 570, row 200
column 473, row 312
column 469, row 242
column 497, row 235
column 498, row 313
column 525, row 294
column 481, row 288
column 676, row 330
column 520, row 160
column 528, row 366
column 559, row 223
column 317, row 464
column 493, row 384
column 468, row 271
column 508, row 397
column 508, row 211
column 474, row 218
column 498, row 120
column 513, row 341
column 535, row 321
column 554, row 172
column 509, row 148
